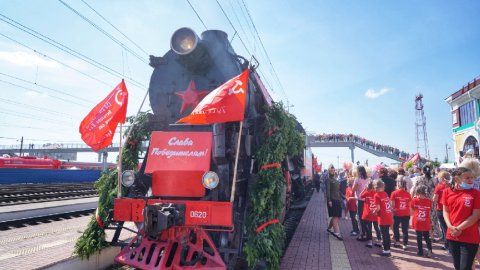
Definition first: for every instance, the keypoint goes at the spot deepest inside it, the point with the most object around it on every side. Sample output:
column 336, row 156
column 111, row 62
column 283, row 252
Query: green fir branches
column 281, row 139
column 93, row 238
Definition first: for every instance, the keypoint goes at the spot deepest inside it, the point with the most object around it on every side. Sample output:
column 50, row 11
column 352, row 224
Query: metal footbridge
column 351, row 142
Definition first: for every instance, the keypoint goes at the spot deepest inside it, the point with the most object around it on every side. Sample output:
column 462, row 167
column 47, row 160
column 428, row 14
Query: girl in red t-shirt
column 401, row 212
column 443, row 178
column 368, row 216
column 461, row 211
column 352, row 206
column 383, row 209
column 421, row 206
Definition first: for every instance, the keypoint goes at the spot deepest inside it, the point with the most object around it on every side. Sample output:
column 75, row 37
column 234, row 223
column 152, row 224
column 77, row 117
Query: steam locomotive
column 181, row 197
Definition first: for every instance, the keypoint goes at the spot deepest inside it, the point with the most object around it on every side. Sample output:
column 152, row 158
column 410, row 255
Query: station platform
column 313, row 248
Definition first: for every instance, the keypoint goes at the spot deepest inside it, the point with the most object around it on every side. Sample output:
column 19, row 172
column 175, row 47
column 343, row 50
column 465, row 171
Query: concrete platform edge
column 99, row 260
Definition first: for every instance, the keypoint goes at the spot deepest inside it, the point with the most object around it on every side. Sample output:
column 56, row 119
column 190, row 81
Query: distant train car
column 29, row 163
column 51, row 164
column 77, row 165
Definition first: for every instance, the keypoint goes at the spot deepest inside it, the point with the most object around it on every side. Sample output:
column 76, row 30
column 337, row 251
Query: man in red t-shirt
column 443, row 178
column 384, row 211
column 401, row 212
column 421, row 206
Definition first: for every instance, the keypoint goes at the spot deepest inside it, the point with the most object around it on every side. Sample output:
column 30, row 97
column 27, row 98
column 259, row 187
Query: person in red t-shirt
column 421, row 207
column 461, row 211
column 401, row 199
column 443, row 178
column 352, row 206
column 384, row 213
column 367, row 215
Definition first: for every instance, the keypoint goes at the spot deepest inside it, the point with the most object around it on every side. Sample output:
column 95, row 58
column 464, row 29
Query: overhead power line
column 49, row 88
column 136, row 45
column 68, row 50
column 198, row 16
column 43, row 110
column 56, row 60
column 29, row 89
column 265, row 51
column 104, row 32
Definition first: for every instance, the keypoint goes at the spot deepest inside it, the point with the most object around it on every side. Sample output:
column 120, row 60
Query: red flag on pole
column 98, row 127
column 224, row 104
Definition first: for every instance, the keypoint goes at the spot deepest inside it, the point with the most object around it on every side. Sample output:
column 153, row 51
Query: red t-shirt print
column 421, row 214
column 460, row 204
column 385, row 214
column 401, row 199
column 352, row 203
column 369, row 205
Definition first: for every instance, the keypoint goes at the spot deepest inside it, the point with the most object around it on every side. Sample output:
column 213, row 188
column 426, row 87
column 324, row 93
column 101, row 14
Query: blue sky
column 328, row 55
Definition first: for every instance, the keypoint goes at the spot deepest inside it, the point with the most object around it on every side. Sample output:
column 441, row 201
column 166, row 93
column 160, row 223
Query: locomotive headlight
column 210, row 180
column 128, row 178
column 184, row 41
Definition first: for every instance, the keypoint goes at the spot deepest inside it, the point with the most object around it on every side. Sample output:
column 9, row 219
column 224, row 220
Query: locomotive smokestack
column 192, row 54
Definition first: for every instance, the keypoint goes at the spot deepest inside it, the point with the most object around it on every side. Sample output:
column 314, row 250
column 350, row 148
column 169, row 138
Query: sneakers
column 404, row 247
column 385, row 253
column 369, row 245
column 361, row 239
column 428, row 254
column 353, row 233
column 378, row 245
column 396, row 244
column 338, row 236
column 420, row 253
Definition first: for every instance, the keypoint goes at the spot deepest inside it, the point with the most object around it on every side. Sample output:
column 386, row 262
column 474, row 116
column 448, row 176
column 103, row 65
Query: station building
column 465, row 109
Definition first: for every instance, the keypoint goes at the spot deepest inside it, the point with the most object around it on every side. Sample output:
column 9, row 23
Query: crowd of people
column 364, row 142
column 440, row 205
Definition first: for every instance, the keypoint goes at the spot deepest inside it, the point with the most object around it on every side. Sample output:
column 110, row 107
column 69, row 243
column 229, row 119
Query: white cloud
column 27, row 59
column 35, row 94
column 371, row 93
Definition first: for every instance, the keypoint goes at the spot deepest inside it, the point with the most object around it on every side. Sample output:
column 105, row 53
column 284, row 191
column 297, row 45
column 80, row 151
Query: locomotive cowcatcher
column 188, row 213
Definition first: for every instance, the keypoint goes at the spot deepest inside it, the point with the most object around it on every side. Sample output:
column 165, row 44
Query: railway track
column 31, row 193
column 52, row 211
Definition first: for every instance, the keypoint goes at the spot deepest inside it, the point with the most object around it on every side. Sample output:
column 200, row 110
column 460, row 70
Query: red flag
column 224, row 104
column 98, row 127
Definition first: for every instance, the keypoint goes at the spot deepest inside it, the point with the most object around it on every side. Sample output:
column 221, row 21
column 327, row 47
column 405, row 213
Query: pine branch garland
column 281, row 139
column 93, row 238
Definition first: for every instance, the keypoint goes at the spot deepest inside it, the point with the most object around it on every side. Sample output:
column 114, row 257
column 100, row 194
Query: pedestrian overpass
column 353, row 141
column 313, row 140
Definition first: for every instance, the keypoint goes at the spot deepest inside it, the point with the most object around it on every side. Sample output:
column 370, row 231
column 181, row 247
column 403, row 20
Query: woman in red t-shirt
column 461, row 211
column 367, row 215
column 352, row 206
column 443, row 178
column 384, row 215
column 401, row 212
column 421, row 207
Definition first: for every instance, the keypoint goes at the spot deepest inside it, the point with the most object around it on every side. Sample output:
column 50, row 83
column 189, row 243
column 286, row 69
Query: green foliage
column 408, row 165
column 281, row 139
column 93, row 238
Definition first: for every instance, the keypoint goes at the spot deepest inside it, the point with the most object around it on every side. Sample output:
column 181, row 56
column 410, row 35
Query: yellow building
column 465, row 108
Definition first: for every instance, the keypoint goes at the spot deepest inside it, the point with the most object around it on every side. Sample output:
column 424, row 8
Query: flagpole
column 232, row 195
column 119, row 166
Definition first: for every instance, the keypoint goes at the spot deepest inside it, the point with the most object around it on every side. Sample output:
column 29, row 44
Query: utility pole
column 446, row 152
column 421, row 127
column 21, row 146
